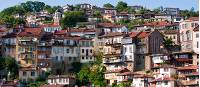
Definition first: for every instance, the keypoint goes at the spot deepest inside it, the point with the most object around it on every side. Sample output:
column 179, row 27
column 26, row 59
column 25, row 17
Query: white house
column 61, row 80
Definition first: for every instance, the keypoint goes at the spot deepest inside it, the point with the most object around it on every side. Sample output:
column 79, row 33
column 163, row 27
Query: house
column 86, row 50
column 121, row 16
column 173, row 35
column 67, row 8
column 9, row 42
column 89, row 33
column 104, row 28
column 158, row 59
column 186, row 33
column 172, row 11
column 65, row 51
column 183, row 58
column 51, row 27
column 141, row 80
column 29, row 74
column 129, row 49
column 163, row 82
column 137, row 8
column 195, row 41
column 163, row 17
column 57, row 16
column 11, row 83
column 26, row 46
column 164, row 71
column 44, row 51
column 188, row 75
column 66, row 80
column 115, row 76
column 148, row 43
column 109, row 17
column 112, row 11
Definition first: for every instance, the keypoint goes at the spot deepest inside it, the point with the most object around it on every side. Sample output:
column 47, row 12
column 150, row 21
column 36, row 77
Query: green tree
column 33, row 6
column 108, row 5
column 71, row 18
column 121, row 6
column 10, row 65
column 97, row 14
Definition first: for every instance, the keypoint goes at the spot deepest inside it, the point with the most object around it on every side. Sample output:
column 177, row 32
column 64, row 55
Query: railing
column 112, row 60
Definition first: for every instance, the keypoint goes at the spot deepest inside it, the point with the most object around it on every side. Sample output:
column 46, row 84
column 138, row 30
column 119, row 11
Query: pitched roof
column 108, row 25
column 118, row 70
column 158, row 24
column 60, row 32
column 193, row 18
column 113, row 34
column 31, row 32
column 143, row 34
column 189, row 67
column 133, row 34
column 82, row 30
column 163, row 79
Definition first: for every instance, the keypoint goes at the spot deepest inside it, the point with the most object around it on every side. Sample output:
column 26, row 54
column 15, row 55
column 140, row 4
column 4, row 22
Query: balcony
column 108, row 61
column 189, row 83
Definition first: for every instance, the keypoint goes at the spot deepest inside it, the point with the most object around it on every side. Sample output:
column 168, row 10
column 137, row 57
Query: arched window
column 188, row 35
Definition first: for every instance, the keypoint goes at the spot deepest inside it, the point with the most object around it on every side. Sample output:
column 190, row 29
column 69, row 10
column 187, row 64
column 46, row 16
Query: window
column 72, row 50
column 86, row 58
column 197, row 44
column 166, row 69
column 56, row 58
column 82, row 58
column 67, row 50
column 90, row 50
column 125, row 50
column 60, row 80
column 166, row 82
column 174, row 37
column 24, row 73
column 32, row 73
column 197, row 35
column 130, row 49
column 90, row 58
column 82, row 50
column 61, row 58
column 70, row 58
column 188, row 35
column 192, row 25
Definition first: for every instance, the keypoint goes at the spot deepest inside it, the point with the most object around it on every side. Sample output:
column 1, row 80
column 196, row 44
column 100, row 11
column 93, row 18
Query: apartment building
column 26, row 46
column 65, row 80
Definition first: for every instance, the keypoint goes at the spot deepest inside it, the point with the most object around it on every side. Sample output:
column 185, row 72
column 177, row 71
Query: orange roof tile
column 133, row 34
column 113, row 34
column 31, row 32
column 163, row 79
column 157, row 24
column 190, row 67
column 143, row 34
column 108, row 25
column 193, row 18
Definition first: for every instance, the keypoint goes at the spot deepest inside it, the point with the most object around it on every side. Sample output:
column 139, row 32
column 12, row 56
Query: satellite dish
column 34, row 39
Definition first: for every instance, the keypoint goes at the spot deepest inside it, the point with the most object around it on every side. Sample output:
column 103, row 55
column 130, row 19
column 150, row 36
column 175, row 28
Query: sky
column 182, row 4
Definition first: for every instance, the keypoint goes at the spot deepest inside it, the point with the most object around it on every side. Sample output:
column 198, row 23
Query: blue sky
column 182, row 4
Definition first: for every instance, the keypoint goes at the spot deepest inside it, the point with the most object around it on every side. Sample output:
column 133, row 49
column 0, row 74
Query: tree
column 121, row 6
column 10, row 65
column 33, row 6
column 71, row 18
column 108, row 5
column 97, row 14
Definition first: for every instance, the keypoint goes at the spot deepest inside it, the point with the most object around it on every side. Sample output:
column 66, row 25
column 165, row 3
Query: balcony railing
column 112, row 60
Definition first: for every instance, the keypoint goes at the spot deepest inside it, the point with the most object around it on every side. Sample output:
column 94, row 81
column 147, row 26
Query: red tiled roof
column 118, row 70
column 109, row 25
column 190, row 67
column 143, row 34
column 196, row 28
column 113, row 34
column 82, row 30
column 193, row 18
column 61, row 32
column 31, row 32
column 133, row 34
column 158, row 24
column 163, row 79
